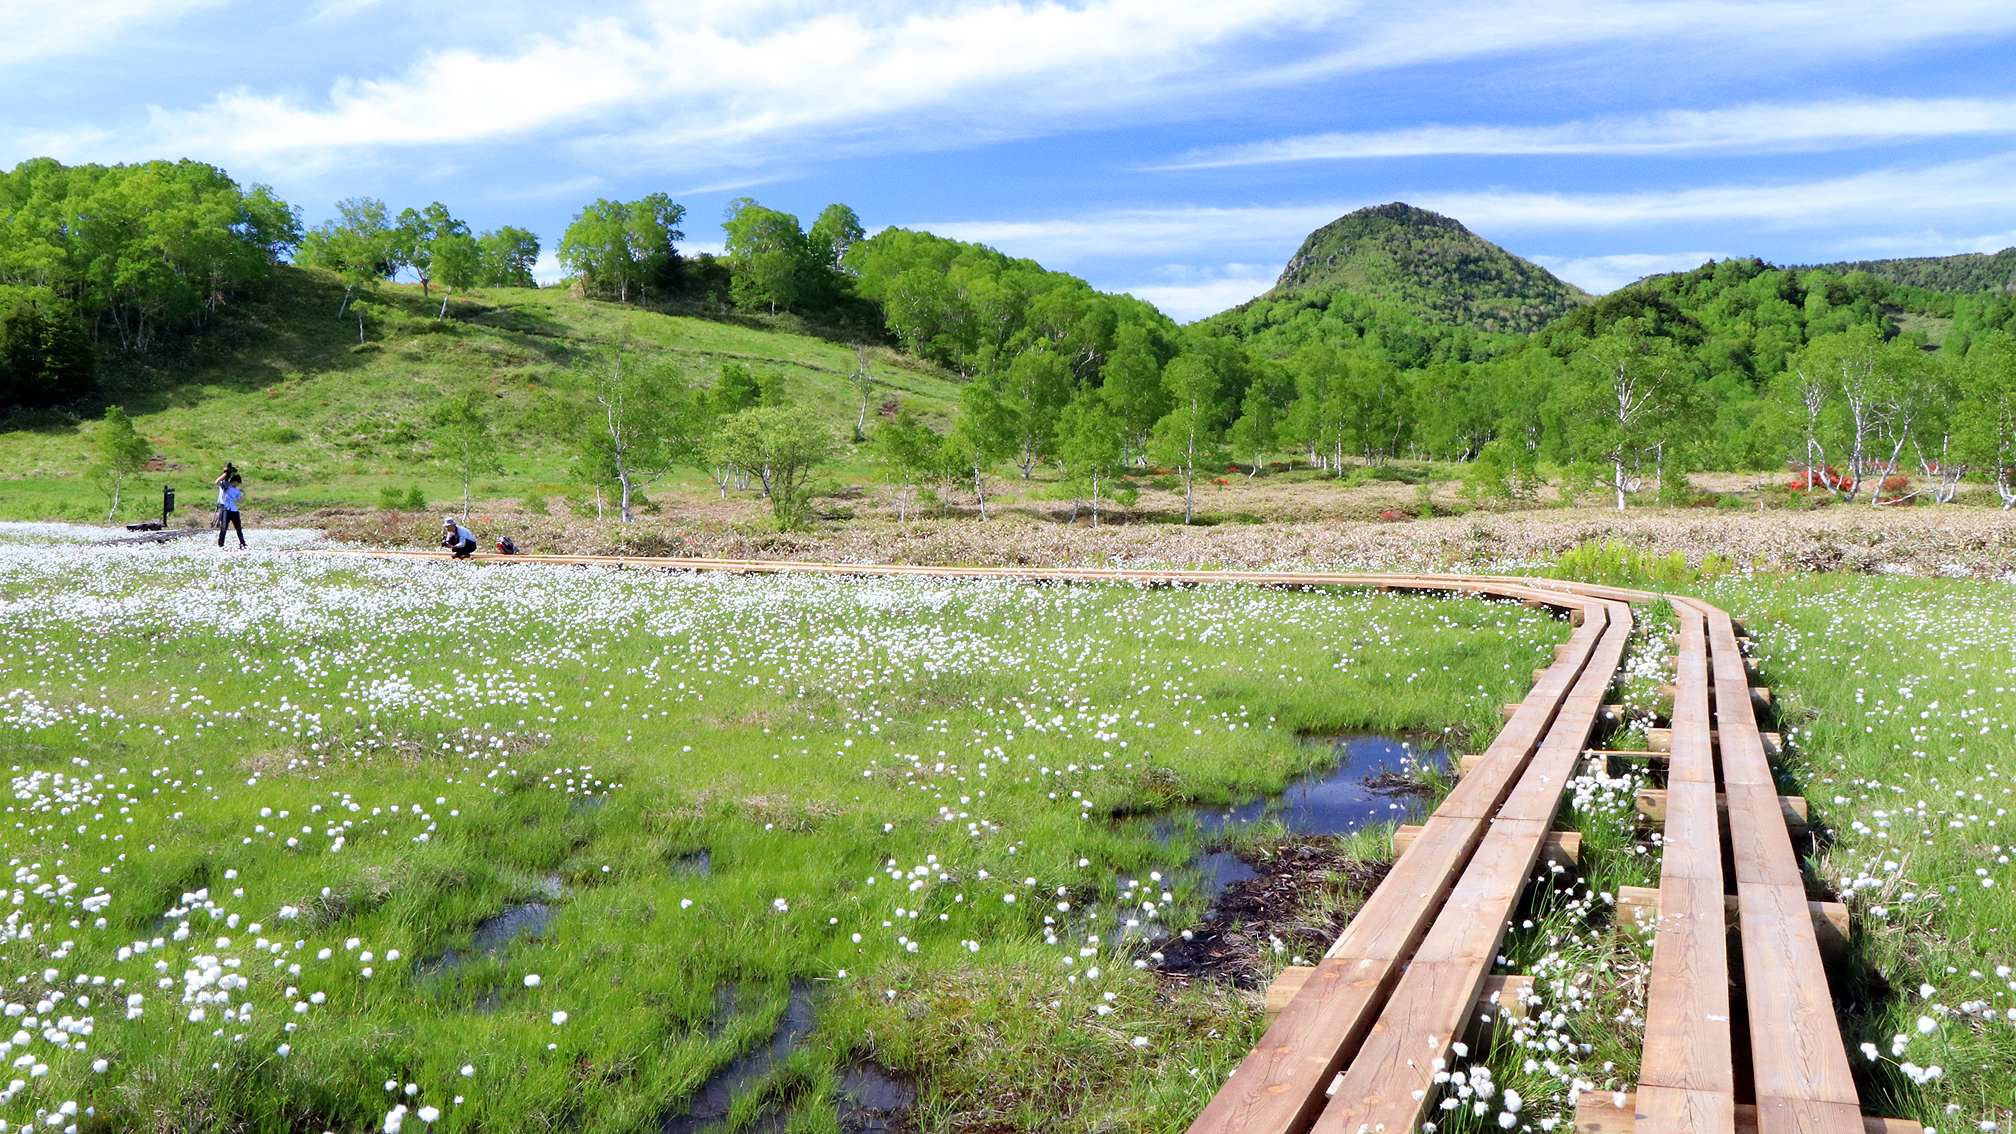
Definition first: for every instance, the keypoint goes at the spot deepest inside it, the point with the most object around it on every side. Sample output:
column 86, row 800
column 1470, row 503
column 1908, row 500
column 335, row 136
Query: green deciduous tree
column 783, row 445
column 45, row 357
column 620, row 247
column 911, row 450
column 1089, row 446
column 419, row 236
column 137, row 250
column 1187, row 436
column 359, row 245
column 770, row 255
column 631, row 421
column 507, row 257
column 1985, row 425
column 836, row 230
column 1017, row 406
column 1131, row 384
column 1627, row 396
column 120, row 452
column 458, row 265
column 1253, row 435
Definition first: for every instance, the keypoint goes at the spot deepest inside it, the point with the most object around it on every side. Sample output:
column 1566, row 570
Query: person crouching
column 457, row 538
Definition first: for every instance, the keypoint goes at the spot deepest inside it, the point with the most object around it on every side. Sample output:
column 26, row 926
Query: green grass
column 826, row 742
column 795, row 732
column 285, row 389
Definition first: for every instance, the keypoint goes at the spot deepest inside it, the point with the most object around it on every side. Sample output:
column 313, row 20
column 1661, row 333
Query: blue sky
column 1177, row 149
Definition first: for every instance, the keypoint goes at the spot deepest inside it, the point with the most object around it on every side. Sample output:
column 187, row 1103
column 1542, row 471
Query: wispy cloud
column 1600, row 274
column 677, row 77
column 1756, row 128
column 689, row 84
column 1973, row 190
column 1186, row 292
column 1146, row 232
column 37, row 32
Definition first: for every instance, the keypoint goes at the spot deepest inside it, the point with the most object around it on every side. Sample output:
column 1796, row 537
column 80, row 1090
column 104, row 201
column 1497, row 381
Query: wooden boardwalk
column 1356, row 1047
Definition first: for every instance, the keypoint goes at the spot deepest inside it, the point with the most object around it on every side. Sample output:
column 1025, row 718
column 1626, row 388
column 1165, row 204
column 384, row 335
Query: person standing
column 457, row 538
column 230, row 494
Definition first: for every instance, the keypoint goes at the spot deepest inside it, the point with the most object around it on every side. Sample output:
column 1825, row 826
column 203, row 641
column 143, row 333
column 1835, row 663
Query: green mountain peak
column 1431, row 266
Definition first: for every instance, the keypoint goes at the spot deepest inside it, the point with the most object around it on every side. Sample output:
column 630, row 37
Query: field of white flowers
column 305, row 844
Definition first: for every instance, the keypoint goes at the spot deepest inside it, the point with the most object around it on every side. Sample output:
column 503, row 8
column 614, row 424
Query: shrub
column 390, row 499
column 534, row 503
column 416, row 501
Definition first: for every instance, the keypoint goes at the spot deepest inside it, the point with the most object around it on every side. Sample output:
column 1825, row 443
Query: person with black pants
column 230, row 494
column 457, row 538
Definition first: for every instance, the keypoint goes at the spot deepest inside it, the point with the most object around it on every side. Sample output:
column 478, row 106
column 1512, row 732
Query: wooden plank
column 1398, row 912
column 1472, row 921
column 1563, row 847
column 1661, row 740
column 1280, row 1084
column 1758, row 836
column 1597, row 1112
column 1777, row 1115
column 1501, row 996
column 1638, row 906
column 1684, row 1111
column 1691, row 814
column 1399, row 1057
column 1654, row 809
column 1795, row 1039
column 1687, row 998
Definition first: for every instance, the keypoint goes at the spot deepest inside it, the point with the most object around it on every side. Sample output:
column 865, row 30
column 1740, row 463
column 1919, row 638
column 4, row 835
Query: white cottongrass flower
column 559, row 1018
column 531, row 980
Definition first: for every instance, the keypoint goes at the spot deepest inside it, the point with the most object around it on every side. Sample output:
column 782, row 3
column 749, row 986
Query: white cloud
column 1974, row 190
column 1757, row 128
column 1928, row 242
column 79, row 27
column 1147, row 232
column 1726, row 29
column 691, row 84
column 1600, row 274
column 721, row 79
column 1186, row 293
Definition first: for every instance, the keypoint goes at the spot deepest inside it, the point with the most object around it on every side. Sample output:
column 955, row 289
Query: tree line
column 120, row 256
column 1738, row 365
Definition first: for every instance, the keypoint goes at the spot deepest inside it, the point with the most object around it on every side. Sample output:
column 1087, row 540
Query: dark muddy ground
column 1290, row 900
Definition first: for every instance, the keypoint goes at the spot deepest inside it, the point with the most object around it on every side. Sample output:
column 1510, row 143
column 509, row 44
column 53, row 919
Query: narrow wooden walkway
column 1356, row 1048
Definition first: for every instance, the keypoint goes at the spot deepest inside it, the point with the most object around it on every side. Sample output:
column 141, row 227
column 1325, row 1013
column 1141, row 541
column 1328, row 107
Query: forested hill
column 1428, row 265
column 1404, row 284
column 1972, row 271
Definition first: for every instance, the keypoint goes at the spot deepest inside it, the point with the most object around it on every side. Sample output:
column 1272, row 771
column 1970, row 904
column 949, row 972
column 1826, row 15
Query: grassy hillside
column 1431, row 266
column 317, row 418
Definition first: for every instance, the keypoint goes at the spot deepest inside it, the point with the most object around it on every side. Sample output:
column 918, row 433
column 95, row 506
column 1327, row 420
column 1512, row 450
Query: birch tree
column 633, row 424
column 1186, row 438
column 1985, row 425
column 1627, row 394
